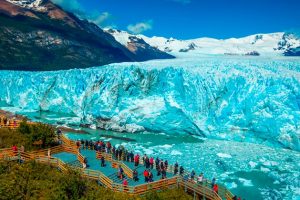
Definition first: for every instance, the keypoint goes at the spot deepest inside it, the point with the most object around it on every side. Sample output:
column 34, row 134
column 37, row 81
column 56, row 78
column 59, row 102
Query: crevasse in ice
column 242, row 99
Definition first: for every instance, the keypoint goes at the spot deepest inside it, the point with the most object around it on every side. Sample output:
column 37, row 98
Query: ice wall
column 237, row 99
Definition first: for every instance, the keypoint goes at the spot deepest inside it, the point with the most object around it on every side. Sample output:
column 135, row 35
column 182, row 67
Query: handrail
column 80, row 158
column 67, row 141
column 200, row 189
column 70, row 146
column 107, row 156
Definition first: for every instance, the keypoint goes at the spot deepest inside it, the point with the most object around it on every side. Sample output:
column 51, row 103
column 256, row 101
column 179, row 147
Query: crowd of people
column 161, row 166
column 4, row 121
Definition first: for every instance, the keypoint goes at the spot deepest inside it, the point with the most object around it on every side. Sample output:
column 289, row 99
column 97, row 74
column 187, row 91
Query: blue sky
column 187, row 19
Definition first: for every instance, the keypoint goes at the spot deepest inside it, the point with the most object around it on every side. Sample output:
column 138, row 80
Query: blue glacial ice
column 231, row 98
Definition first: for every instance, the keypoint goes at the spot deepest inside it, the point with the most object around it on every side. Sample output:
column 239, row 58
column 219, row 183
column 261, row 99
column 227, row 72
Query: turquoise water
column 252, row 171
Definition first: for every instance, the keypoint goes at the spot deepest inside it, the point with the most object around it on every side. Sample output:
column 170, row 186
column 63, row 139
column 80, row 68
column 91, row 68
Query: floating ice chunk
column 252, row 164
column 263, row 169
column 231, row 185
column 165, row 146
column 148, row 151
column 224, row 155
column 132, row 128
column 245, row 182
column 93, row 126
column 175, row 153
column 270, row 163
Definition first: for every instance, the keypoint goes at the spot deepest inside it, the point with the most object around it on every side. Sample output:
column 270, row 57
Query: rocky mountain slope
column 39, row 35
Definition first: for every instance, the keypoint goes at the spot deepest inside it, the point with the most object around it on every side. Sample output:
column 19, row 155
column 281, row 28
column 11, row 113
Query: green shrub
column 33, row 180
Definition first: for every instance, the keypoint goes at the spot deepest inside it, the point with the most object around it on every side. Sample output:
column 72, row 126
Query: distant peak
column 31, row 4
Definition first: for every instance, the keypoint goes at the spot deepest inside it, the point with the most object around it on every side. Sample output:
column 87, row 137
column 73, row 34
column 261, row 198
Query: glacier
column 236, row 98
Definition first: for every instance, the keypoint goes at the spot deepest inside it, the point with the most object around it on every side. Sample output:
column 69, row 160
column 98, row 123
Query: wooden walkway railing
column 70, row 146
column 11, row 123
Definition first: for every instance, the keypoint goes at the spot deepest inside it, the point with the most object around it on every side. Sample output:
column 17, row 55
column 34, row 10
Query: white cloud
column 140, row 27
column 101, row 19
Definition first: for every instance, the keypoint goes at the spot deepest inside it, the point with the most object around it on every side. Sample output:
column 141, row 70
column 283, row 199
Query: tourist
column 157, row 162
column 77, row 144
column 125, row 182
column 91, row 144
column 15, row 148
column 216, row 188
column 166, row 164
column 150, row 179
column 113, row 150
column 192, row 175
column 144, row 159
column 176, row 168
column 82, row 143
column 158, row 169
column 151, row 161
column 147, row 162
column 146, row 175
column 234, row 198
column 22, row 149
column 162, row 165
column 200, row 179
column 117, row 154
column 86, row 145
column 136, row 160
column 120, row 152
column 84, row 165
column 131, row 157
column 120, row 173
column 102, row 161
column 181, row 171
column 213, row 182
column 176, row 164
column 135, row 175
column 108, row 146
column 125, row 157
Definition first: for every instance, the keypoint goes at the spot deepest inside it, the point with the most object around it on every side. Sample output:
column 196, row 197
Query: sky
column 188, row 19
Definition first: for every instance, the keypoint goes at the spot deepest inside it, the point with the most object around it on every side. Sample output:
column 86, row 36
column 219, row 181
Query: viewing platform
column 70, row 155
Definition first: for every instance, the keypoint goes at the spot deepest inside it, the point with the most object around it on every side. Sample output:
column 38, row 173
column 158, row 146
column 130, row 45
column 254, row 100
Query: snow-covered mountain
column 30, row 4
column 258, row 44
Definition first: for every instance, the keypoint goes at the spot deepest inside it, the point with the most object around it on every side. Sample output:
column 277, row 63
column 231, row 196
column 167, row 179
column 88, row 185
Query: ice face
column 233, row 98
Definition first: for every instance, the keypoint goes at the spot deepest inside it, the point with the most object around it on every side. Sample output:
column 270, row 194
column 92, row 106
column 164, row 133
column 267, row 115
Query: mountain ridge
column 278, row 43
column 38, row 35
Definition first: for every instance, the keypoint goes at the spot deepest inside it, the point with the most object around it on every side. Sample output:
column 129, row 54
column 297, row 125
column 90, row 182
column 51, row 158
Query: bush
column 39, row 181
column 27, row 135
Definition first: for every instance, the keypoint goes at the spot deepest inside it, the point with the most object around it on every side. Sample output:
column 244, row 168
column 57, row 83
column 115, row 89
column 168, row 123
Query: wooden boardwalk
column 68, row 155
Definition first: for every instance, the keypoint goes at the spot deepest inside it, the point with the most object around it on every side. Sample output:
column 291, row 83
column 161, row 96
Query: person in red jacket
column 15, row 149
column 125, row 182
column 136, row 160
column 151, row 161
column 146, row 175
column 216, row 188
